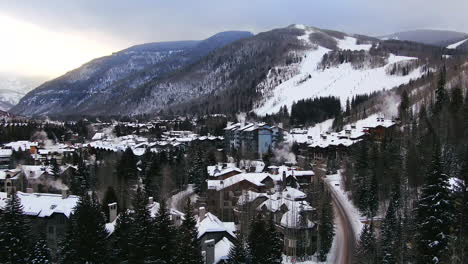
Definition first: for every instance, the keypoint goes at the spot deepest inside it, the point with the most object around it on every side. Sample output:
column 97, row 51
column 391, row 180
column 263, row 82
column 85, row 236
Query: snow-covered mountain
column 260, row 73
column 428, row 36
column 344, row 80
column 102, row 80
column 13, row 87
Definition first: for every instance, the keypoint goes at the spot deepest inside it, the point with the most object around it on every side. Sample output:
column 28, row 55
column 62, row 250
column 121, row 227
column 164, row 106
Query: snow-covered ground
column 352, row 212
column 342, row 81
column 455, row 45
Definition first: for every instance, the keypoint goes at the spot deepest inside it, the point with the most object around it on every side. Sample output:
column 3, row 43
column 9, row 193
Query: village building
column 289, row 210
column 48, row 214
column 216, row 237
column 335, row 145
column 252, row 139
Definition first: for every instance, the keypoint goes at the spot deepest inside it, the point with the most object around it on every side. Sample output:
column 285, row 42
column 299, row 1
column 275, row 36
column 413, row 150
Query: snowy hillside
column 13, row 87
column 108, row 79
column 342, row 81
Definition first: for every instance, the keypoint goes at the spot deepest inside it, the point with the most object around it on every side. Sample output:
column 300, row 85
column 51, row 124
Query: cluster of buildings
column 171, row 140
column 335, row 144
column 237, row 196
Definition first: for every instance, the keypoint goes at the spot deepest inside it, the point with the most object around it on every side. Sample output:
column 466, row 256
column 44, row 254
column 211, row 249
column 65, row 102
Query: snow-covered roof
column 293, row 194
column 211, row 223
column 21, row 145
column 292, row 219
column 218, row 173
column 34, row 171
column 254, row 178
column 222, row 249
column 98, row 136
column 44, row 204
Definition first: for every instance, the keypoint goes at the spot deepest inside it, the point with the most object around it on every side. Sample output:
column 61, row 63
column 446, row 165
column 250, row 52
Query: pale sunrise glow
column 29, row 49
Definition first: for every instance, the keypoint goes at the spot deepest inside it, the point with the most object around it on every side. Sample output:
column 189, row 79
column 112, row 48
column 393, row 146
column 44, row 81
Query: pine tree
column 154, row 178
column 326, row 228
column 197, row 173
column 164, row 249
column 275, row 241
column 460, row 243
column 14, row 230
column 403, row 107
column 366, row 251
column 85, row 241
column 140, row 237
column 263, row 247
column 189, row 249
column 441, row 93
column 361, row 180
column 391, row 230
column 126, row 171
column 238, row 253
column 40, row 253
column 434, row 214
column 348, row 108
column 120, row 238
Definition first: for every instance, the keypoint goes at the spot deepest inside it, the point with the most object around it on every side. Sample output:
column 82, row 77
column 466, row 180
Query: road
column 179, row 200
column 345, row 238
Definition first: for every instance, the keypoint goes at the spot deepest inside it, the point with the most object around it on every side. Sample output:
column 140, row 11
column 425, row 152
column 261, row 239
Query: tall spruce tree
column 86, row 238
column 189, row 249
column 275, row 241
column 441, row 93
column 238, row 252
column 391, row 230
column 140, row 238
column 460, row 242
column 164, row 248
column 40, row 253
column 366, row 251
column 126, row 171
column 326, row 228
column 14, row 229
column 434, row 214
column 120, row 238
column 258, row 247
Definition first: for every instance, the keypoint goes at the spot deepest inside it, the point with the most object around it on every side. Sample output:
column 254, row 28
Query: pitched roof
column 44, row 204
column 211, row 223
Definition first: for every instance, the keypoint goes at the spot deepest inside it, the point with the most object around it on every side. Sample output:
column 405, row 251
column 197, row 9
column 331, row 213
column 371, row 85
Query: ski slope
column 455, row 45
column 342, row 81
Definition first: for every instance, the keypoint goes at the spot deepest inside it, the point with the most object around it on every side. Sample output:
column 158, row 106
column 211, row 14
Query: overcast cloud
column 118, row 23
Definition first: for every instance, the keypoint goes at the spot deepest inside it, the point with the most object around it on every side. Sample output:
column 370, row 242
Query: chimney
column 65, row 193
column 112, row 212
column 29, row 190
column 150, row 200
column 201, row 213
column 210, row 251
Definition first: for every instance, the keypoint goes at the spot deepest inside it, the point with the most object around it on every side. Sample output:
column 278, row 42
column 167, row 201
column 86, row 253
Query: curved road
column 345, row 239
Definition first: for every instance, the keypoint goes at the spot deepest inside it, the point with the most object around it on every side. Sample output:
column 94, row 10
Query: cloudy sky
column 50, row 37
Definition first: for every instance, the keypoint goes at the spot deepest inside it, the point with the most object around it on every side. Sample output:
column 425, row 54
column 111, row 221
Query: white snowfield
column 342, row 81
column 455, row 45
